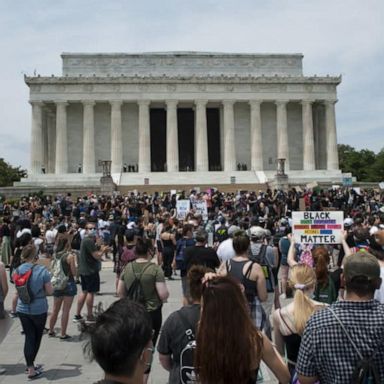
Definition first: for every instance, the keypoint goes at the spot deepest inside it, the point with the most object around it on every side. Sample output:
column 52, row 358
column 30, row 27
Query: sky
column 337, row 37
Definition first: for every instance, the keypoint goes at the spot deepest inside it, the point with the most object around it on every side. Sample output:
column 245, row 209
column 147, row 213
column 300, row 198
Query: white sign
column 312, row 185
column 317, row 227
column 200, row 206
column 381, row 185
column 182, row 207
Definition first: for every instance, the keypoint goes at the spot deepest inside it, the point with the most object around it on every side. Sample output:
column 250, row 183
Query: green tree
column 9, row 174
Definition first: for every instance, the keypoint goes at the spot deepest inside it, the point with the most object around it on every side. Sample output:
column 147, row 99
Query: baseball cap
column 348, row 222
column 361, row 264
column 257, row 232
column 232, row 229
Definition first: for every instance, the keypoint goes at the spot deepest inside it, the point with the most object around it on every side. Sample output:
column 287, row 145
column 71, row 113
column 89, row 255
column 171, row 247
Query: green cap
column 361, row 264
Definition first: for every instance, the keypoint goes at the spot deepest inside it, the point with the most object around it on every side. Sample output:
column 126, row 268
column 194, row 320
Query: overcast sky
column 336, row 37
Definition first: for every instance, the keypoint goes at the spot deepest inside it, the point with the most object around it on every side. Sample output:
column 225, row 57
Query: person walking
column 152, row 282
column 63, row 298
column 4, row 320
column 33, row 315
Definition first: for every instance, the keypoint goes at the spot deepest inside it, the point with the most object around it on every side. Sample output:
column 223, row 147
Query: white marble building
column 182, row 117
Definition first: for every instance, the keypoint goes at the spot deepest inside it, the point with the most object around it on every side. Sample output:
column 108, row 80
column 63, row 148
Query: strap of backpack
column 249, row 270
column 262, row 252
column 188, row 328
column 142, row 272
column 348, row 336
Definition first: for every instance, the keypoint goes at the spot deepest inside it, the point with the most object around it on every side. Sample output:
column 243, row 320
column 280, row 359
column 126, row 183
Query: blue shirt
column 40, row 276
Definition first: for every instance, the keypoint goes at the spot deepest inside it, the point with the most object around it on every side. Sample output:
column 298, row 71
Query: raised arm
column 292, row 253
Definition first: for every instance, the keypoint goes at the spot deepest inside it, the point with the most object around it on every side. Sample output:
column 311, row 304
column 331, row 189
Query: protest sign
column 182, row 207
column 347, row 181
column 381, row 185
column 317, row 227
column 312, row 185
column 200, row 206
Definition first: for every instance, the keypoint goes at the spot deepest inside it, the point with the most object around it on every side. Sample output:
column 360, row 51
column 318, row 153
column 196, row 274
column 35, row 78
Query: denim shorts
column 70, row 290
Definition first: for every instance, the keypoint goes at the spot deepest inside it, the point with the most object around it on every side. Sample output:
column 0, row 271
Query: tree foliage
column 9, row 174
column 365, row 165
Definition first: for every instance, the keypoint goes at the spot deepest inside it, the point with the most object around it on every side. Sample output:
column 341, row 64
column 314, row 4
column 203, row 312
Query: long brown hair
column 229, row 346
column 321, row 258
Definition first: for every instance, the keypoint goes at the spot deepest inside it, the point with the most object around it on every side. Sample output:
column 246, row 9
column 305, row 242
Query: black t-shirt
column 173, row 338
column 200, row 255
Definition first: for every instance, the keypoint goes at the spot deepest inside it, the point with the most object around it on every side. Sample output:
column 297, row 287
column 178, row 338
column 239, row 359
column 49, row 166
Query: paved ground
column 64, row 361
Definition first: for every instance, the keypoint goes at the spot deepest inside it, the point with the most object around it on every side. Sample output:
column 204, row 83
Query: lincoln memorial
column 182, row 117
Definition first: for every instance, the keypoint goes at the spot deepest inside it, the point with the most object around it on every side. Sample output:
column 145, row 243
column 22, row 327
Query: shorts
column 159, row 246
column 70, row 290
column 283, row 272
column 90, row 283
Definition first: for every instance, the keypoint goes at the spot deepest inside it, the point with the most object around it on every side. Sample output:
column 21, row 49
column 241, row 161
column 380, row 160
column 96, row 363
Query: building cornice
column 31, row 80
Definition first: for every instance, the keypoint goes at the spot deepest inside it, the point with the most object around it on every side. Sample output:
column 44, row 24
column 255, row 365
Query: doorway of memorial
column 213, row 128
column 186, row 133
column 158, row 132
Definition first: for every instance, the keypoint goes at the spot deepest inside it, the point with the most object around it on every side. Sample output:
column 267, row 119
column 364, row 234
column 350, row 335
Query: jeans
column 33, row 327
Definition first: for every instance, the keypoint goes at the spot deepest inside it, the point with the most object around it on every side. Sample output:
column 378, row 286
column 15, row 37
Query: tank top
column 236, row 271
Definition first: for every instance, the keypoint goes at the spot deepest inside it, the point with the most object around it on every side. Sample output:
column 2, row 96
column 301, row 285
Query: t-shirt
column 152, row 275
column 200, row 255
column 88, row 265
column 173, row 339
column 40, row 276
column 225, row 250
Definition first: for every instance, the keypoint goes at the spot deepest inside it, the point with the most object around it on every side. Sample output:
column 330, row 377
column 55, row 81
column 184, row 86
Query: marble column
column 61, row 165
column 282, row 132
column 172, row 137
column 330, row 124
column 89, row 163
column 144, row 137
column 36, row 138
column 45, row 139
column 256, row 136
column 51, row 133
column 202, row 160
column 116, row 137
column 308, row 137
column 229, row 136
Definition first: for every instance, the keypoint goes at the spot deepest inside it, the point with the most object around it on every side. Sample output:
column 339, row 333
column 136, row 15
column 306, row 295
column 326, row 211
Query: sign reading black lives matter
column 313, row 227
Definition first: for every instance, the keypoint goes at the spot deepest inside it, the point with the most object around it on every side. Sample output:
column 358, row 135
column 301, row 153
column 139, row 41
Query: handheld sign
column 182, row 207
column 200, row 206
column 317, row 227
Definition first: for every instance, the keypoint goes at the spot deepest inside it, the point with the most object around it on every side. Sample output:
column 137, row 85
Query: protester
column 120, row 342
column 335, row 338
column 250, row 275
column 33, row 315
column 225, row 250
column 152, row 282
column 64, row 297
column 224, row 355
column 289, row 321
column 4, row 322
column 174, row 334
column 89, row 267
column 168, row 239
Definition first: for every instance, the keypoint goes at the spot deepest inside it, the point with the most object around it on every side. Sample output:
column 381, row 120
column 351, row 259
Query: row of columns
column 172, row 155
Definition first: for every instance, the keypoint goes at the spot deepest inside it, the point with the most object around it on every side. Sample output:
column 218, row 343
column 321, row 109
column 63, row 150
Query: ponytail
column 303, row 309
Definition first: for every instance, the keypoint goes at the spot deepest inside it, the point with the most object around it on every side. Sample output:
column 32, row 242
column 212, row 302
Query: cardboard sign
column 182, row 208
column 317, row 227
column 200, row 206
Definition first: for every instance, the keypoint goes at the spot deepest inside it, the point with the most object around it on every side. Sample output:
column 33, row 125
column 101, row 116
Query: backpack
column 366, row 371
column 180, row 254
column 127, row 255
column 326, row 294
column 135, row 292
column 76, row 241
column 187, row 369
column 59, row 279
column 267, row 269
column 22, row 284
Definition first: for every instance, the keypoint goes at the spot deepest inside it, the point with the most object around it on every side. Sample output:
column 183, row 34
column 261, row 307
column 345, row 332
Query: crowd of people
column 250, row 293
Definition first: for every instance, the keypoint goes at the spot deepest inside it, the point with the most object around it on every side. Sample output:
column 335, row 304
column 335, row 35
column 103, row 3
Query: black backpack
column 76, row 241
column 365, row 371
column 135, row 291
column 267, row 269
column 221, row 233
column 187, row 369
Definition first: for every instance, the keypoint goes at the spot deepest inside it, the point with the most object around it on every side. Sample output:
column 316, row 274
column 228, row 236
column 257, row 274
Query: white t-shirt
column 50, row 236
column 225, row 250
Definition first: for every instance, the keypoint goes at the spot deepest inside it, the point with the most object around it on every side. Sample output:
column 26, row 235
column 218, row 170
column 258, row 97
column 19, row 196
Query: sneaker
column 65, row 337
column 77, row 318
column 90, row 320
column 34, row 376
column 12, row 314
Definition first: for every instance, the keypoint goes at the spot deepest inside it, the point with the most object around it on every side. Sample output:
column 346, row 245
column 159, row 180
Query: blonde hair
column 302, row 278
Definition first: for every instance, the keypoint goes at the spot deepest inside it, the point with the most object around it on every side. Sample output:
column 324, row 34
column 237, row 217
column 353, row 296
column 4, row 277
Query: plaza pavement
column 64, row 361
